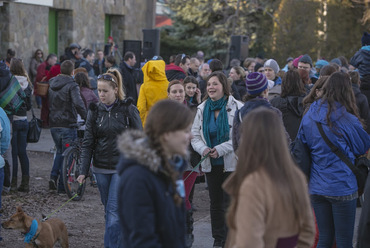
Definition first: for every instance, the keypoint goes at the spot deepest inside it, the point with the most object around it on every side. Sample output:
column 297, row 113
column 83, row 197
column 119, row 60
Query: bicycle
column 72, row 166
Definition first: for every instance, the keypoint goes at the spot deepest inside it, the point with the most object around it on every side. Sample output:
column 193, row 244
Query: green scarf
column 223, row 129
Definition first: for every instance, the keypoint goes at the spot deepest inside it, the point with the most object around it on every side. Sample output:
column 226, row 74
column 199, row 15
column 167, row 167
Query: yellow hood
column 154, row 70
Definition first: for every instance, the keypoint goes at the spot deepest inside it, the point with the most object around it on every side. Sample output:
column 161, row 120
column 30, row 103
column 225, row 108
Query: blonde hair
column 116, row 75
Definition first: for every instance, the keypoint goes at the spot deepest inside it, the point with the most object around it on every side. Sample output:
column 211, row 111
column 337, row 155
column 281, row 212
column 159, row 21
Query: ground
column 84, row 219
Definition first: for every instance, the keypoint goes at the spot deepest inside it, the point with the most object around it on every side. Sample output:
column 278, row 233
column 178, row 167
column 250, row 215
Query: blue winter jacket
column 148, row 214
column 330, row 176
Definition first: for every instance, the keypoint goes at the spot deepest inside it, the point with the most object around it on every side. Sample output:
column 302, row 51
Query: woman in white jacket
column 212, row 129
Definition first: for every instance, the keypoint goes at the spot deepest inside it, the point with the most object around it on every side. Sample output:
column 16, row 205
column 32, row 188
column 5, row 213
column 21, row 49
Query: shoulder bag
column 360, row 168
column 34, row 130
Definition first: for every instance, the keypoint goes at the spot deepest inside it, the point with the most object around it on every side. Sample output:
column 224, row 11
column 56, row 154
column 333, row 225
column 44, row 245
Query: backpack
column 12, row 97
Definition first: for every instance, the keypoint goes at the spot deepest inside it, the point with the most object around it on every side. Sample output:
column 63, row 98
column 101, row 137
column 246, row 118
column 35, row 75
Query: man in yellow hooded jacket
column 154, row 87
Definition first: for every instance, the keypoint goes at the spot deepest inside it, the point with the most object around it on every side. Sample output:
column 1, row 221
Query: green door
column 53, row 31
column 107, row 28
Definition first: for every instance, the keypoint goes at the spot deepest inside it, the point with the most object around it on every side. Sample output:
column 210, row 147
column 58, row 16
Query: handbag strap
column 335, row 149
column 33, row 113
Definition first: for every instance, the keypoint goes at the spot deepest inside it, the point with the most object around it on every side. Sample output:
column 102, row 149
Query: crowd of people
column 151, row 132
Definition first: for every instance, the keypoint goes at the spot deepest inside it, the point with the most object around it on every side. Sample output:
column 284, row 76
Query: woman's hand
column 81, row 178
column 198, row 95
column 214, row 153
column 206, row 151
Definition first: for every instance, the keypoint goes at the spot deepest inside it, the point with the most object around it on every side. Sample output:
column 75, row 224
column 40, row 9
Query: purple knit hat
column 256, row 83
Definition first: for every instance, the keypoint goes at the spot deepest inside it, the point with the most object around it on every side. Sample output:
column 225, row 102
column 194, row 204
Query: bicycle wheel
column 71, row 171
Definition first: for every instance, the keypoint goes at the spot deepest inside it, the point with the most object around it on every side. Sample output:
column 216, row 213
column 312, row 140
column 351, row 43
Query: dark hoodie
column 65, row 102
column 292, row 109
column 240, row 114
column 362, row 106
column 174, row 72
column 148, row 214
column 361, row 61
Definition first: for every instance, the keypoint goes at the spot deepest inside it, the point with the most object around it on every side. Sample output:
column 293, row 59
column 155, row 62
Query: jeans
column 219, row 202
column 108, row 188
column 61, row 137
column 19, row 144
column 335, row 218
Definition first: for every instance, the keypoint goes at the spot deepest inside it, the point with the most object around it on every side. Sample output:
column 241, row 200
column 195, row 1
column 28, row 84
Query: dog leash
column 70, row 199
column 205, row 156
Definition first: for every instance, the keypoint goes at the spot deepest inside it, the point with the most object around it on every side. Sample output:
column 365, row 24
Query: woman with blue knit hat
column 212, row 129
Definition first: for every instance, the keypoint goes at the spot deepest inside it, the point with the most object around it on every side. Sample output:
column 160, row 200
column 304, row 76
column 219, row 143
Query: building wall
column 24, row 27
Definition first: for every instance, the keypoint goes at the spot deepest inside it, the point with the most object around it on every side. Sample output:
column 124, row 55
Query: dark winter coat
column 148, row 214
column 292, row 110
column 362, row 106
column 174, row 72
column 88, row 96
column 65, row 102
column 361, row 61
column 240, row 113
column 102, row 128
column 365, row 87
column 5, row 76
column 241, row 87
column 129, row 81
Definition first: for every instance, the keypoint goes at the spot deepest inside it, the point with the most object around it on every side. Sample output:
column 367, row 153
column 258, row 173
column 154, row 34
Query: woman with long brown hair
column 20, row 128
column 270, row 206
column 151, row 190
column 290, row 102
column 333, row 186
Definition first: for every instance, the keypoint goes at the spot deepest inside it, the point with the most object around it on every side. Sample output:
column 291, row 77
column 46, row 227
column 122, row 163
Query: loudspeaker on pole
column 151, row 43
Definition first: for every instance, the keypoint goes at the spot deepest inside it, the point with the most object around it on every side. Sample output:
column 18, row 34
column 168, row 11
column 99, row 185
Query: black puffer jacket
column 102, row 128
column 361, row 61
column 65, row 102
column 292, row 109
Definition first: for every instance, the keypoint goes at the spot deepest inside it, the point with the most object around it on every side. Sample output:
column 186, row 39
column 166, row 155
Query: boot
column 13, row 185
column 25, row 184
column 189, row 237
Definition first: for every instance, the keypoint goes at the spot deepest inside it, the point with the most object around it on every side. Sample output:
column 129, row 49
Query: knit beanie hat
column 306, row 59
column 256, row 83
column 365, row 40
column 295, row 61
column 273, row 65
column 321, row 63
column 336, row 61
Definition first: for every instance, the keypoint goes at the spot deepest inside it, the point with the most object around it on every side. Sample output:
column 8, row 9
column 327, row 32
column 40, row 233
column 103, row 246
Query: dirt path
column 84, row 219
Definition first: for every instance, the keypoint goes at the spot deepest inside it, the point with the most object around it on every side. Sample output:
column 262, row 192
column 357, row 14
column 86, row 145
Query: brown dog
column 47, row 233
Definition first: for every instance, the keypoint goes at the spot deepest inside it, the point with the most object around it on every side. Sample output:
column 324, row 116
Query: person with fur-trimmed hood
column 151, row 204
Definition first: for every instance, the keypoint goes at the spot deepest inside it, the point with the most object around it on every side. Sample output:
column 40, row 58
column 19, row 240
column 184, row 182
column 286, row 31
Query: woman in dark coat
column 290, row 102
column 151, row 189
column 237, row 74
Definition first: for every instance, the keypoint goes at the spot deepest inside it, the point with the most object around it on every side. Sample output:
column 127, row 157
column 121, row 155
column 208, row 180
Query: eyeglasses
column 106, row 77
